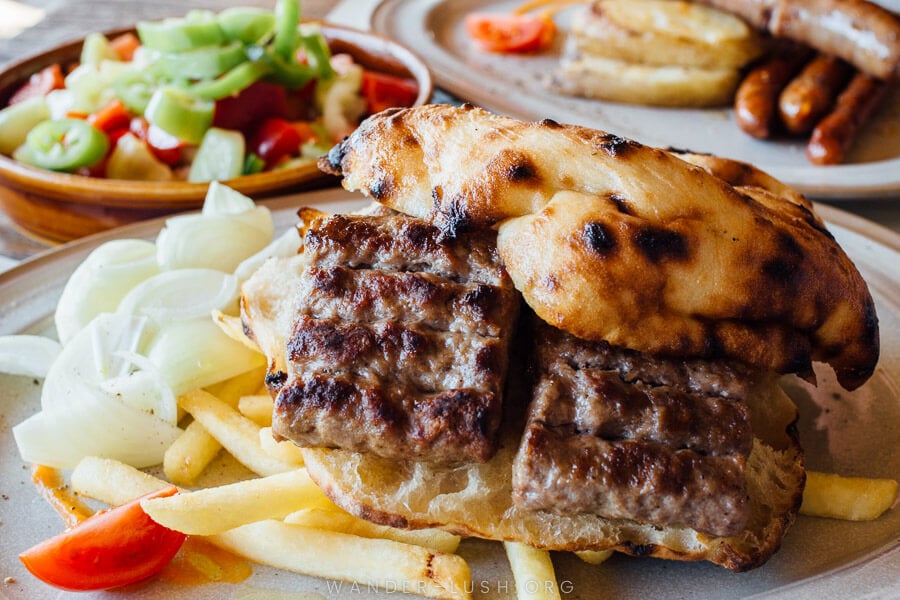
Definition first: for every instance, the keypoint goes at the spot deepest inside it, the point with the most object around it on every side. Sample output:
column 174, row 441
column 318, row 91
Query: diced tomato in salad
column 383, row 91
column 40, row 84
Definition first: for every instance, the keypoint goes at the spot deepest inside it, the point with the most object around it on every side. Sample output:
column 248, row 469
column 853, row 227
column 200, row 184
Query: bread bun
column 612, row 240
column 476, row 500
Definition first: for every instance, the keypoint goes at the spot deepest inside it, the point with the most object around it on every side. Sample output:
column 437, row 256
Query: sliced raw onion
column 222, row 200
column 182, row 294
column 94, row 354
column 101, row 281
column 99, row 424
column 29, row 355
column 196, row 353
column 213, row 241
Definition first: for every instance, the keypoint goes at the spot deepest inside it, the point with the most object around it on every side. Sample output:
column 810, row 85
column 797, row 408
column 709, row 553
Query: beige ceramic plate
column 851, row 433
column 514, row 85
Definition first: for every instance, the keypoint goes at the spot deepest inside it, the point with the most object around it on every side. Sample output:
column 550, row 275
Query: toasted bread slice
column 476, row 500
column 665, row 32
column 636, row 83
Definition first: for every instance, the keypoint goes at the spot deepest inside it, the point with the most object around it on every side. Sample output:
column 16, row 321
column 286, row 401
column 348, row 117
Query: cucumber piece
column 220, row 156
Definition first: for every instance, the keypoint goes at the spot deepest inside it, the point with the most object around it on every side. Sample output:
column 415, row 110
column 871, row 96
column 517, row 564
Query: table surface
column 60, row 20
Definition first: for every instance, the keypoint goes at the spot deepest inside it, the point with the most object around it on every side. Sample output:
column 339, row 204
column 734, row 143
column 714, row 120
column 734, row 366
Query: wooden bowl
column 58, row 207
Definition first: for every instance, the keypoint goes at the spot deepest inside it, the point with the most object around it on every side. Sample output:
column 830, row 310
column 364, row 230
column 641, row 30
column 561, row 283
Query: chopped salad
column 208, row 96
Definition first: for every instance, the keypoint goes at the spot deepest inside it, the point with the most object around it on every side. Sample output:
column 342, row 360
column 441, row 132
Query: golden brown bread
column 612, row 240
column 475, row 500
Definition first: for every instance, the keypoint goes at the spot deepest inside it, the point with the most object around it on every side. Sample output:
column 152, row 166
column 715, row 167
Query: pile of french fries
column 282, row 519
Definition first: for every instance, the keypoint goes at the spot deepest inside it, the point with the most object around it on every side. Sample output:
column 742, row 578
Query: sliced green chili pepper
column 231, row 82
column 287, row 16
column 253, row 164
column 245, row 24
column 180, row 113
column 288, row 73
column 195, row 30
column 318, row 54
column 202, row 63
column 65, row 144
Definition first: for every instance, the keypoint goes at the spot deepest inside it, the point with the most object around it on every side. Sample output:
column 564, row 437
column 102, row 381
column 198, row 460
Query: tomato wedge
column 107, row 550
column 40, row 84
column 274, row 140
column 510, row 32
column 383, row 91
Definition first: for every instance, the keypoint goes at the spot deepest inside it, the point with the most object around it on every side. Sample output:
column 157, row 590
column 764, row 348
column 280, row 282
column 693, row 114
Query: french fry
column 189, row 455
column 233, row 328
column 232, row 390
column 371, row 562
column 237, row 434
column 257, row 408
column 343, row 522
column 594, row 557
column 850, row 498
column 214, row 510
column 111, row 481
column 532, row 571
column 285, row 451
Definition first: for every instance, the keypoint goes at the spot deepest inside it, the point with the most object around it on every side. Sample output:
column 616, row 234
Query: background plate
column 850, row 433
column 514, row 85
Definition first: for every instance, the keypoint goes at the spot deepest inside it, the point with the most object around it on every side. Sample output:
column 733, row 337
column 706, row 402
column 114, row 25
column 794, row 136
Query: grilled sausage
column 756, row 99
column 835, row 134
column 862, row 33
column 811, row 94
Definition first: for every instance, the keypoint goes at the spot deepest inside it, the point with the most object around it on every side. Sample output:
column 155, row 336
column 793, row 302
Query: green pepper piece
column 179, row 34
column 134, row 89
column 65, row 144
column 287, row 16
column 246, row 24
column 180, row 113
column 253, row 164
column 231, row 82
column 288, row 73
column 202, row 63
column 318, row 54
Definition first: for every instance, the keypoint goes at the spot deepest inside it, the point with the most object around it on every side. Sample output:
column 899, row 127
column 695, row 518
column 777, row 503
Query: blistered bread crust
column 612, row 240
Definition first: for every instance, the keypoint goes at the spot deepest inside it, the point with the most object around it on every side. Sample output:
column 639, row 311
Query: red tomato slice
column 274, row 140
column 383, row 91
column 107, row 550
column 510, row 32
column 40, row 84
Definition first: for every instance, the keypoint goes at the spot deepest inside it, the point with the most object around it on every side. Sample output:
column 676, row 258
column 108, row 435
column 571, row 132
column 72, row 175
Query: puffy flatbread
column 612, row 240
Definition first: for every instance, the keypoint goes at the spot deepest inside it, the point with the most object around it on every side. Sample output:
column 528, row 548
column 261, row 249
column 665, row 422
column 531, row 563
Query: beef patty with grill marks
column 399, row 343
column 624, row 435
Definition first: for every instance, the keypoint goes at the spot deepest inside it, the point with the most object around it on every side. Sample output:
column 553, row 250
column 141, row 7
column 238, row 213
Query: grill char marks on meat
column 400, row 342
column 628, row 436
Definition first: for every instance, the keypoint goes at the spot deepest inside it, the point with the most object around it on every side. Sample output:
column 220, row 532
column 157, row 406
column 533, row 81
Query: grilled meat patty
column 624, row 435
column 400, row 341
